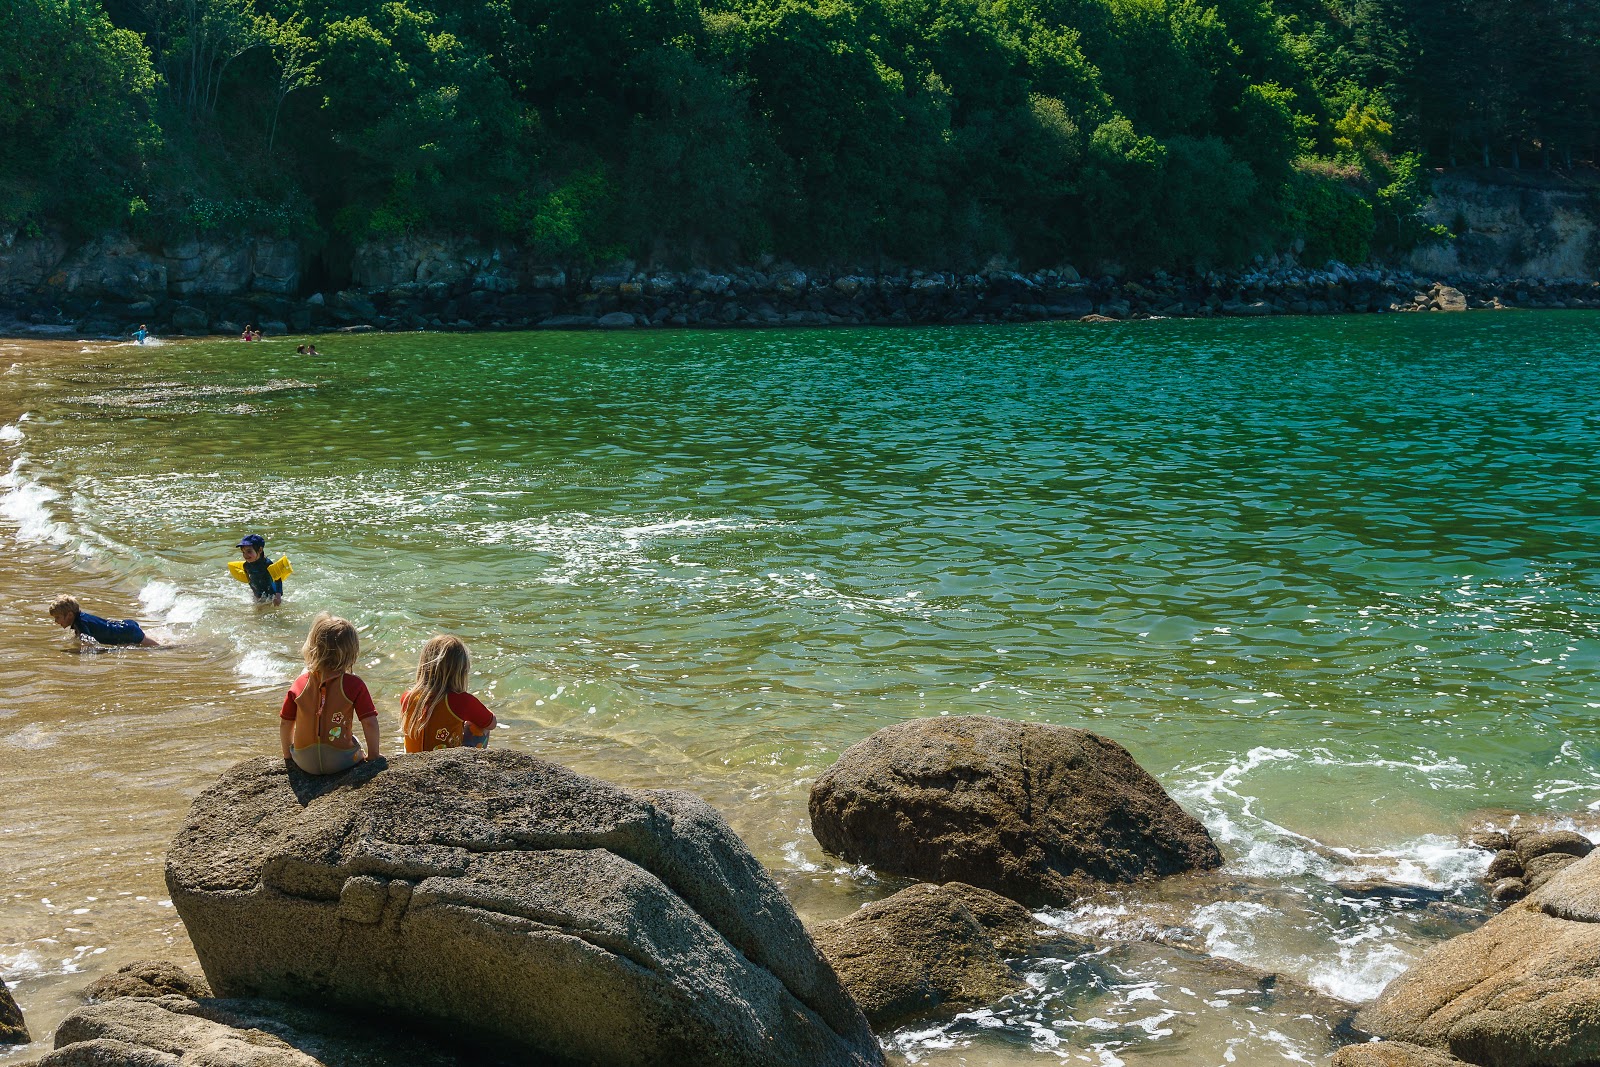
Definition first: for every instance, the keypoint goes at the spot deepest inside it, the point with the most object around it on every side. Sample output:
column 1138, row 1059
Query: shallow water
column 1329, row 580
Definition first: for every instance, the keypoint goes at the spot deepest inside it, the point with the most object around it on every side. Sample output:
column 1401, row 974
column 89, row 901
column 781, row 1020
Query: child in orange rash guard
column 438, row 712
column 325, row 702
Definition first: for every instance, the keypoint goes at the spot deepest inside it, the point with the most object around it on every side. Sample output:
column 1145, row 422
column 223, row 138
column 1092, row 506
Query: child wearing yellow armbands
column 266, row 579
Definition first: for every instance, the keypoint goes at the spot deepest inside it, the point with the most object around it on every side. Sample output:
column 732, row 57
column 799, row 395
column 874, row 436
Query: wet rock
column 147, row 978
column 500, row 896
column 617, row 320
column 13, row 1030
column 1508, row 890
column 1403, row 892
column 568, row 322
column 1568, row 842
column 1449, row 298
column 1391, row 1054
column 1539, row 870
column 1040, row 814
column 1008, row 924
column 914, row 954
column 1489, row 840
column 1522, row 990
column 1506, row 864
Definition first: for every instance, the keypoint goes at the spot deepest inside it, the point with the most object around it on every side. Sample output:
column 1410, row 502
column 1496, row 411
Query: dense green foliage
column 1140, row 132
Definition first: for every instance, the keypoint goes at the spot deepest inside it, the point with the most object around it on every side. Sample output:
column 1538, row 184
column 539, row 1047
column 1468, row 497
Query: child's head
column 332, row 645
column 64, row 610
column 251, row 546
column 443, row 665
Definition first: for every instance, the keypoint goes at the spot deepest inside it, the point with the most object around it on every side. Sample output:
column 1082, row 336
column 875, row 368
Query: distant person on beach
column 311, row 350
column 246, row 336
column 264, row 582
column 300, row 350
column 322, row 707
column 438, row 712
column 65, row 611
column 140, row 334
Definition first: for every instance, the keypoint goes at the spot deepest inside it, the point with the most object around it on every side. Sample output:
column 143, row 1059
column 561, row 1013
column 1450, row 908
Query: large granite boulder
column 510, row 901
column 13, row 1030
column 925, row 949
column 1040, row 814
column 1522, row 990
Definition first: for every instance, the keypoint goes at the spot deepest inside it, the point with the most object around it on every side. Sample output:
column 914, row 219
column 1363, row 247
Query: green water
column 1329, row 579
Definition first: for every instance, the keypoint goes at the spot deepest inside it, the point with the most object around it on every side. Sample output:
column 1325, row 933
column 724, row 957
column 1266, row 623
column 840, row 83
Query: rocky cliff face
column 115, row 267
column 1530, row 226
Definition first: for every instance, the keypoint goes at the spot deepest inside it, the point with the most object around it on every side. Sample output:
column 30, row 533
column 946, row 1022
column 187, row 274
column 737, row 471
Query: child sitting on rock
column 322, row 707
column 66, row 613
column 438, row 712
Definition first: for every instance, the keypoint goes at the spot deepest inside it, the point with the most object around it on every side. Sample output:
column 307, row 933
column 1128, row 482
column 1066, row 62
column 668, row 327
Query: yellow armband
column 278, row 571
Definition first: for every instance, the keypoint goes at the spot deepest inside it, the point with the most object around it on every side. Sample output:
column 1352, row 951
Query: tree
column 297, row 67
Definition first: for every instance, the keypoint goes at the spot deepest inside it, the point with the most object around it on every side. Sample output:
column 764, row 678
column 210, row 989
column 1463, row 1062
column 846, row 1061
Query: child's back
column 321, row 709
column 438, row 712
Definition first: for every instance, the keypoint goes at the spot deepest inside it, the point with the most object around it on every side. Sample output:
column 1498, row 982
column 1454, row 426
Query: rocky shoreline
column 513, row 909
column 487, row 297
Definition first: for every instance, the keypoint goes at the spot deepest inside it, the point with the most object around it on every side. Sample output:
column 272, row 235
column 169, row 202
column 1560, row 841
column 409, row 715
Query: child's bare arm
column 369, row 730
column 285, row 734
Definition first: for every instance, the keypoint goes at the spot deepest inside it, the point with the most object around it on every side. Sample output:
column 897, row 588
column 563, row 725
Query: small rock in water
column 915, row 953
column 1391, row 1054
column 1568, row 842
column 1506, row 864
column 1508, row 890
column 147, row 978
column 1040, row 814
column 13, row 1031
column 1539, row 870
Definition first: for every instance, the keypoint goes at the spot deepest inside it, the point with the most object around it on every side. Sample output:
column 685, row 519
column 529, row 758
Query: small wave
column 264, row 667
column 162, row 394
column 164, row 600
column 31, row 738
column 10, row 433
column 26, row 503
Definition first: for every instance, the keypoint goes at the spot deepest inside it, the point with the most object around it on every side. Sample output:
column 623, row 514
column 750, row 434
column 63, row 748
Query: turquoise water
column 1331, row 580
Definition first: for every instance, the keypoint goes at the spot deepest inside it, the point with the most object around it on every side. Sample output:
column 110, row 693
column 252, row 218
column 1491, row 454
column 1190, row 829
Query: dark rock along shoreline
column 487, row 299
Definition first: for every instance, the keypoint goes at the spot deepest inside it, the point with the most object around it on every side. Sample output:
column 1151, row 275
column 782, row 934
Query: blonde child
column 438, row 712
column 326, row 701
column 67, row 615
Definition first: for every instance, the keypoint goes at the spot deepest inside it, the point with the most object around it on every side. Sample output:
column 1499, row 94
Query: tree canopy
column 1140, row 132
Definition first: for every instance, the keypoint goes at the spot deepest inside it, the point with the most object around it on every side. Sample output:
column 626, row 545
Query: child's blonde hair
column 441, row 670
column 332, row 645
column 64, row 605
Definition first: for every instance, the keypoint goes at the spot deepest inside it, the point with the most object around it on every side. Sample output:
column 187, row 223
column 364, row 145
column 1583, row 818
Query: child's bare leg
column 149, row 642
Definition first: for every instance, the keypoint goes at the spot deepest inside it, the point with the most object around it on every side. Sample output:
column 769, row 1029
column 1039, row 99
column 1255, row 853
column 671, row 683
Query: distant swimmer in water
column 65, row 611
column 140, row 334
column 266, row 579
column 324, row 704
column 438, row 712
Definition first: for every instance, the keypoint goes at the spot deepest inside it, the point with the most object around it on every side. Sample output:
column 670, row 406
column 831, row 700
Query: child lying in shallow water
column 66, row 613
column 322, row 707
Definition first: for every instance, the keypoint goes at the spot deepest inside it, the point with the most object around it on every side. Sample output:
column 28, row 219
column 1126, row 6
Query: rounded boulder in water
column 1041, row 814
